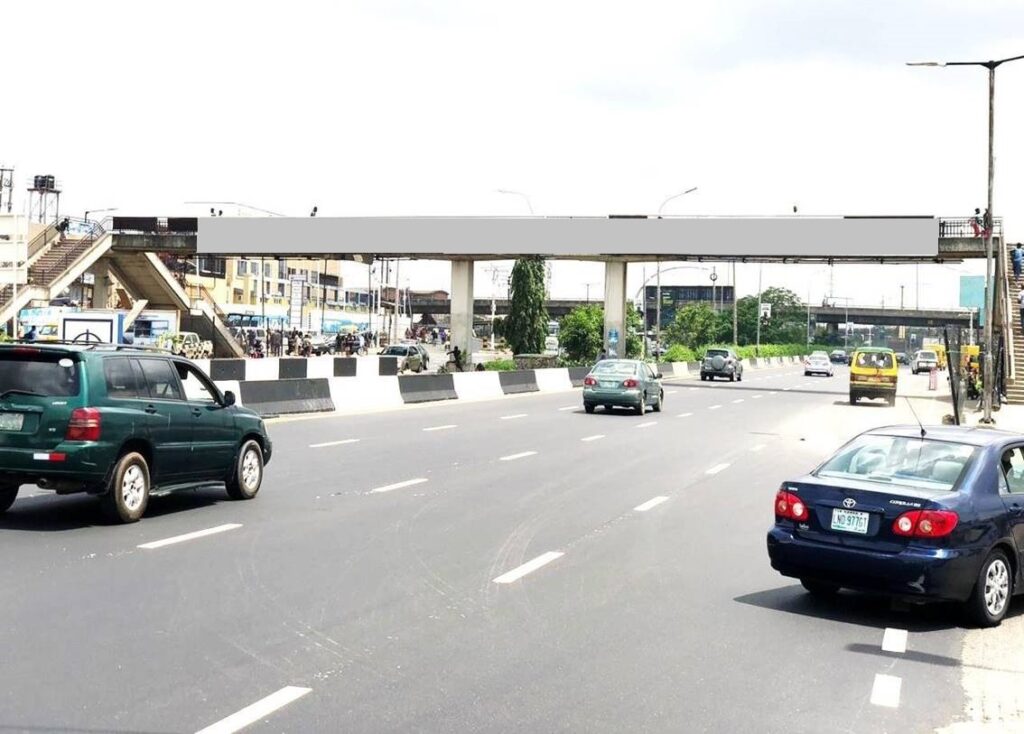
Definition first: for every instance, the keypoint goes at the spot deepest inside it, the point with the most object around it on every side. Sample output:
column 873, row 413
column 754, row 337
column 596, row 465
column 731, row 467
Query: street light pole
column 990, row 268
column 757, row 346
column 735, row 321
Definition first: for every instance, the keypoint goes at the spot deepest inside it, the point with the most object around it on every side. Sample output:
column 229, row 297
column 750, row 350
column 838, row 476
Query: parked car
column 917, row 514
column 322, row 344
column 122, row 424
column 187, row 344
column 411, row 357
column 902, row 358
column 626, row 383
column 839, row 356
column 924, row 361
column 818, row 364
column 721, row 363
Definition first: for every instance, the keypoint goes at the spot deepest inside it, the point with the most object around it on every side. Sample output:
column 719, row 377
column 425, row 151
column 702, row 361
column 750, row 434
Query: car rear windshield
column 717, row 353
column 396, row 351
column 926, row 355
column 898, row 460
column 609, row 367
column 874, row 360
column 39, row 374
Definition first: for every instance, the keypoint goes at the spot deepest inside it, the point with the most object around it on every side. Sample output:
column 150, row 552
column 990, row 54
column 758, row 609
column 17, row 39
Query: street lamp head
column 926, row 63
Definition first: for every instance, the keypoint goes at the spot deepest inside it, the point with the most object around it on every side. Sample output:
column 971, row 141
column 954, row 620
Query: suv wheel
column 8, row 493
column 128, row 495
column 247, row 476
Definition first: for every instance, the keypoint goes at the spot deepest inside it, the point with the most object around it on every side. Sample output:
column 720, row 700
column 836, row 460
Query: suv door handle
column 197, row 412
column 151, row 409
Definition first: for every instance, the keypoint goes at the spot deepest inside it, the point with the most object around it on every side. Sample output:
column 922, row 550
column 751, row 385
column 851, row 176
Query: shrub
column 500, row 365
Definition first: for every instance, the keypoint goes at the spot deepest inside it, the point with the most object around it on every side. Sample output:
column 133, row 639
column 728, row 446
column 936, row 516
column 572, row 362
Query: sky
column 403, row 107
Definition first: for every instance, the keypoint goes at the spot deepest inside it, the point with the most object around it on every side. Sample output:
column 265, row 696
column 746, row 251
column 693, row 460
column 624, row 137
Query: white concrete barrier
column 553, row 379
column 368, row 366
column 322, row 366
column 204, row 365
column 262, row 369
column 365, row 393
column 679, row 369
column 478, row 385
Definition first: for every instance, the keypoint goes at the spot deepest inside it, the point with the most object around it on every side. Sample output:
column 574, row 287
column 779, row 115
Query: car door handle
column 197, row 412
column 151, row 409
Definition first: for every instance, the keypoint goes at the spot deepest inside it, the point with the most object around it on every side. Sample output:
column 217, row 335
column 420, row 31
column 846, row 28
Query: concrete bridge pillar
column 102, row 289
column 615, row 309
column 462, row 308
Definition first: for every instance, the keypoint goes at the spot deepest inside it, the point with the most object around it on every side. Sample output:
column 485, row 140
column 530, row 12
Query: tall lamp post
column 990, row 270
column 657, row 307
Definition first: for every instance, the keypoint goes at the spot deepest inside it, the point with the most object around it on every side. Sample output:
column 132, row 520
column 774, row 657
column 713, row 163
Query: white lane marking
column 714, row 407
column 334, row 443
column 894, row 640
column 593, row 438
column 648, row 424
column 757, row 447
column 521, row 455
column 398, row 485
column 254, row 712
column 513, row 417
column 886, row 690
column 693, row 388
column 684, row 415
column 757, row 397
column 717, row 468
column 787, row 388
column 441, row 428
column 190, row 536
column 568, row 407
column 529, row 567
column 738, row 400
column 671, row 392
column 650, row 503
column 773, row 393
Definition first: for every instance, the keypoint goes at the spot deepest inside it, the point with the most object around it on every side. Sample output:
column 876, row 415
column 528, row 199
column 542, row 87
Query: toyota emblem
column 849, row 502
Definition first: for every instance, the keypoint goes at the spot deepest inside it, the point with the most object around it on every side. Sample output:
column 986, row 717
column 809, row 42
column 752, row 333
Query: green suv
column 124, row 424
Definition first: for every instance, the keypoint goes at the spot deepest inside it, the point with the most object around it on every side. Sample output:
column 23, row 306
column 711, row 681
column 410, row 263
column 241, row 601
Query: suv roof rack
column 114, row 346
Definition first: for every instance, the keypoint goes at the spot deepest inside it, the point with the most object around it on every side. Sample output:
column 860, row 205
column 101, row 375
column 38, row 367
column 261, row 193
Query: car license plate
column 850, row 521
column 11, row 421
column 606, row 383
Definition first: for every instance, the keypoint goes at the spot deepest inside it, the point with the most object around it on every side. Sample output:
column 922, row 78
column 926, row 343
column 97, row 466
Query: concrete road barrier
column 477, row 385
column 667, row 369
column 576, row 375
column 693, row 366
column 387, row 366
column 292, row 368
column 680, row 369
column 346, row 367
column 552, row 380
column 357, row 395
column 426, row 388
column 518, row 381
column 281, row 397
column 227, row 369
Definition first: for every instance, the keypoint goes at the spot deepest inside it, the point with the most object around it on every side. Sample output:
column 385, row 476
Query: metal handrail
column 968, row 227
column 39, row 241
column 79, row 247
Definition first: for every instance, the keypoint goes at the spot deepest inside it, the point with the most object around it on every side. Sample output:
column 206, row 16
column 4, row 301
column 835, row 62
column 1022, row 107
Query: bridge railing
column 965, row 227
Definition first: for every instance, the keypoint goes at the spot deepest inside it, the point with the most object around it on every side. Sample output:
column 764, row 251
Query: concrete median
column 518, row 381
column 293, row 368
column 553, row 379
column 227, row 369
column 346, row 367
column 667, row 369
column 427, row 388
column 477, row 385
column 365, row 394
column 282, row 397
column 577, row 374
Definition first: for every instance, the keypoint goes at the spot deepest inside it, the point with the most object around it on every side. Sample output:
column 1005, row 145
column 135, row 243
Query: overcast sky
column 392, row 107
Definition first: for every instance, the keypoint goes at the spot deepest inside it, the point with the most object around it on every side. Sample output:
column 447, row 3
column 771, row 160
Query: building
column 675, row 297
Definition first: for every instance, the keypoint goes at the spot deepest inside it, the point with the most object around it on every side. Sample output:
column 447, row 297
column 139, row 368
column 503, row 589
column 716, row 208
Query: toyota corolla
column 918, row 514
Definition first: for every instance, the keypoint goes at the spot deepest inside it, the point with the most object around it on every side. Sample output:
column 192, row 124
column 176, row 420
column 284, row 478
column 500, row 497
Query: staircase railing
column 46, row 275
column 40, row 240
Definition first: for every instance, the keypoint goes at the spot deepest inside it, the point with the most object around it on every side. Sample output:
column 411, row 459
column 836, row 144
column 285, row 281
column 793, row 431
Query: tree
column 527, row 322
column 581, row 332
column 694, row 325
column 634, row 333
column 787, row 324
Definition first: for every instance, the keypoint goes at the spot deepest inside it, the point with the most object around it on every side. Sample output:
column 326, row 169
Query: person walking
column 30, row 335
column 976, row 223
column 457, row 357
column 1017, row 255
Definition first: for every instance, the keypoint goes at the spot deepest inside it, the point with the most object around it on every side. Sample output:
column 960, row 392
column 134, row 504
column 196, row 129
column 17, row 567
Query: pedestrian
column 339, row 343
column 602, row 356
column 359, row 343
column 976, row 223
column 457, row 357
column 1017, row 254
column 30, row 335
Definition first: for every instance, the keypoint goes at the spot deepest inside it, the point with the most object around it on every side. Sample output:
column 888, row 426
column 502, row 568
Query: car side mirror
column 229, row 399
column 657, row 375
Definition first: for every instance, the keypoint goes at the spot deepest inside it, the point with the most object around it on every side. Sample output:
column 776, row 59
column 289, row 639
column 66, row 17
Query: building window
column 267, row 269
column 282, row 270
column 243, row 267
column 280, row 289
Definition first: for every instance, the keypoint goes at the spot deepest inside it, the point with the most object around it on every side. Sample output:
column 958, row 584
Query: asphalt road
column 409, row 608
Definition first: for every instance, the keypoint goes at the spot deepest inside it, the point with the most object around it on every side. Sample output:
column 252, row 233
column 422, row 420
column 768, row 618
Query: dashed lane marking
column 651, row 503
column 513, row 417
column 714, row 407
column 593, row 438
column 894, row 640
column 190, row 536
column 521, row 455
column 257, row 711
column 441, row 428
column 738, row 400
column 648, row 424
column 886, row 690
column 529, row 567
column 684, row 415
column 342, row 442
column 568, row 407
column 756, row 397
column 671, row 392
column 398, row 485
column 757, row 447
column 717, row 468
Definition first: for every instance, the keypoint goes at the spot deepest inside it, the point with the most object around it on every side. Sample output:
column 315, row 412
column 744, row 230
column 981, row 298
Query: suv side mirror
column 229, row 399
column 657, row 375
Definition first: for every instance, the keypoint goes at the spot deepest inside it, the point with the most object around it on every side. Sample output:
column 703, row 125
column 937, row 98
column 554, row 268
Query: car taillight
column 925, row 523
column 588, row 380
column 790, row 506
column 84, row 425
column 629, row 383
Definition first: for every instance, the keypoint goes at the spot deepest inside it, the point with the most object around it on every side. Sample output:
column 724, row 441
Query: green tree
column 787, row 324
column 580, row 333
column 634, row 333
column 694, row 325
column 527, row 322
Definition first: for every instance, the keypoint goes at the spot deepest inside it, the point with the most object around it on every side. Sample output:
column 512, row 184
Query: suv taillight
column 790, row 506
column 629, row 383
column 925, row 523
column 588, row 380
column 84, row 425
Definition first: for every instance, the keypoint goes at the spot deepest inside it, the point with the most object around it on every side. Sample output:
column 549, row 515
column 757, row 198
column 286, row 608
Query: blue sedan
column 917, row 514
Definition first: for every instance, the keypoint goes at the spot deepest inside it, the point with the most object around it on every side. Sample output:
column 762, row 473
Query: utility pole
column 757, row 347
column 657, row 311
column 735, row 296
column 901, row 298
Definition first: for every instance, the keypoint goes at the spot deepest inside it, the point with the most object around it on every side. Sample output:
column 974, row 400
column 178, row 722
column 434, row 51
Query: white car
column 924, row 361
column 818, row 364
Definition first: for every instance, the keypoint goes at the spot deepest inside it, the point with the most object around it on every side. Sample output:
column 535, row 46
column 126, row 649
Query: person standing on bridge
column 976, row 224
column 1017, row 255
